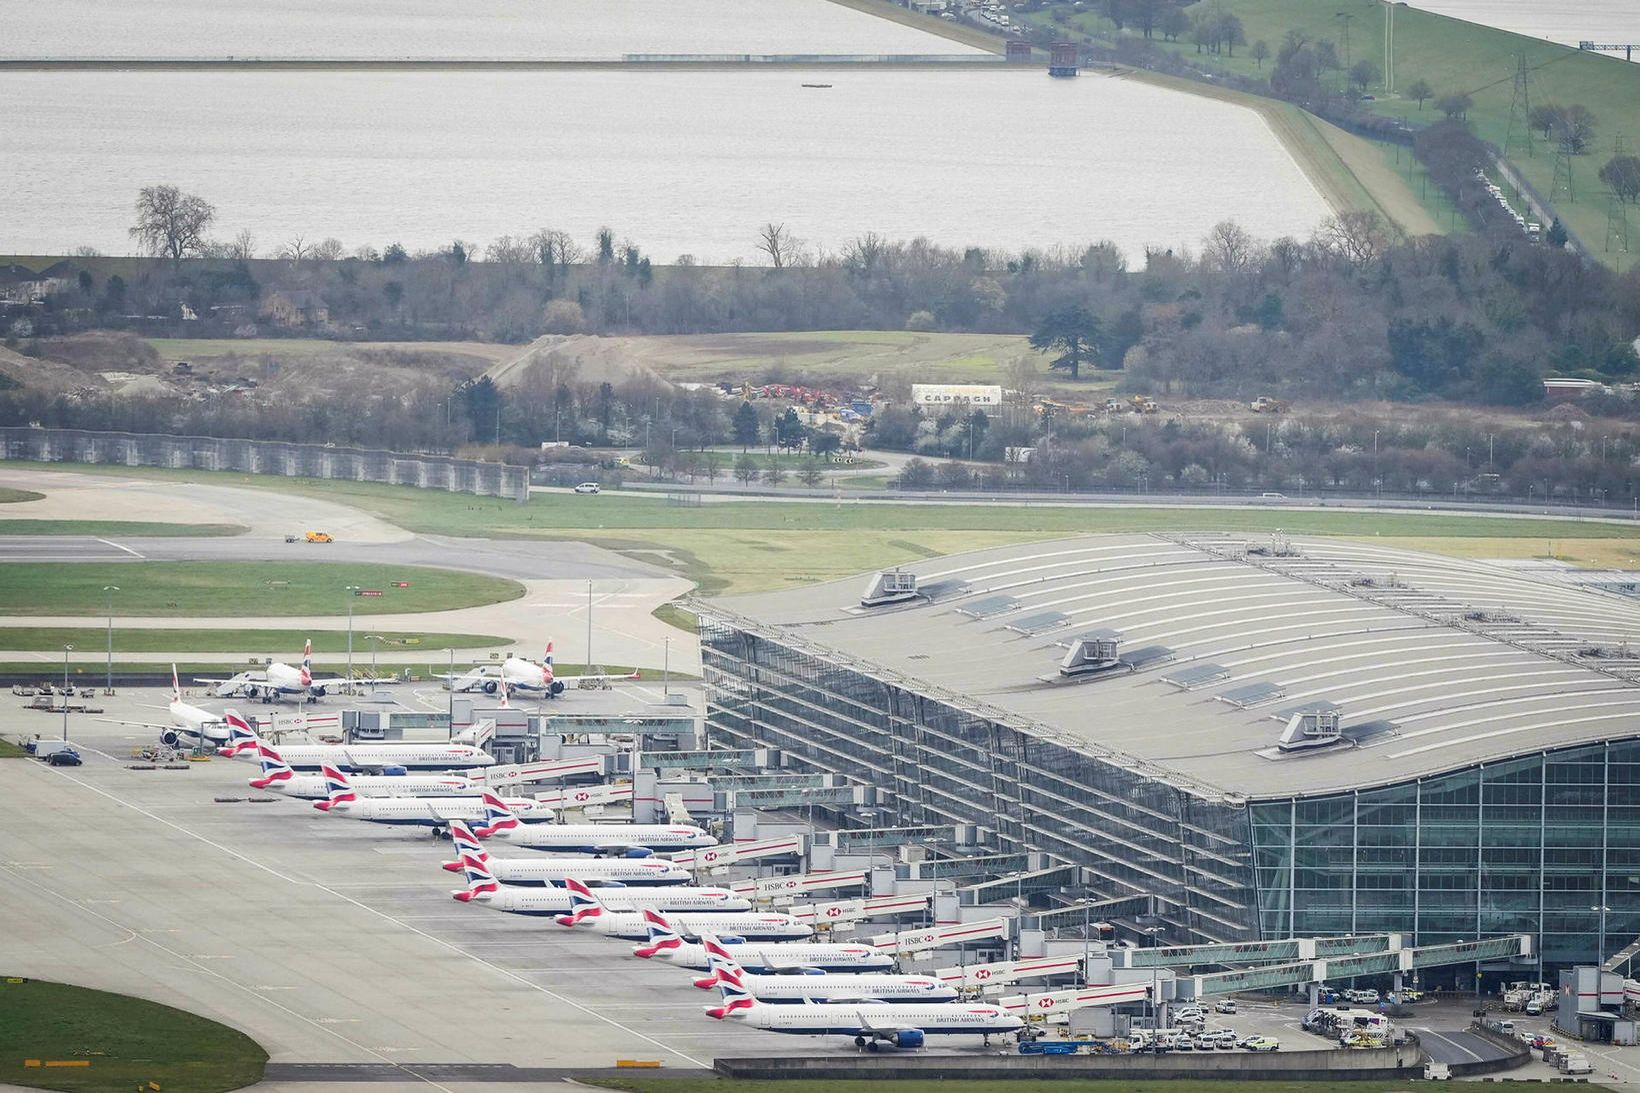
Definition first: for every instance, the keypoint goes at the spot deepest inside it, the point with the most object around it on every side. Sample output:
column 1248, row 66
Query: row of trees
column 1359, row 453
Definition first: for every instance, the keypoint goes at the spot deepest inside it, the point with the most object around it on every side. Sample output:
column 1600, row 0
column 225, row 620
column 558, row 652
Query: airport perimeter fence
column 209, row 453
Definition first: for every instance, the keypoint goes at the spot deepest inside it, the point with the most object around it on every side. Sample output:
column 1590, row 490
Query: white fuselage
column 604, row 838
column 822, row 955
column 592, row 871
column 762, row 926
column 555, row 901
column 312, row 786
column 192, row 721
column 352, row 757
column 899, row 989
column 848, row 1019
column 525, row 675
column 427, row 811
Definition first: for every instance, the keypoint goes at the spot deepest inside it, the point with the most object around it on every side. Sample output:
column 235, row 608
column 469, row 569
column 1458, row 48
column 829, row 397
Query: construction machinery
column 1265, row 404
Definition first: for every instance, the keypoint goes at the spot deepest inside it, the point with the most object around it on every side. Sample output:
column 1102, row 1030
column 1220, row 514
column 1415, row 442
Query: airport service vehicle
column 536, row 870
column 588, row 911
column 1189, row 1015
column 320, row 537
column 1260, row 1043
column 1576, row 1064
column 552, row 900
column 278, row 776
column 1225, row 1005
column 436, row 812
column 632, row 840
column 277, row 680
column 665, row 942
column 872, row 1024
column 587, row 487
column 243, row 743
column 820, row 987
column 45, row 749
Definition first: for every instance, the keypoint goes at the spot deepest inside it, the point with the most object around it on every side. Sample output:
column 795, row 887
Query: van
column 1534, row 1007
column 1576, row 1064
column 1261, row 1043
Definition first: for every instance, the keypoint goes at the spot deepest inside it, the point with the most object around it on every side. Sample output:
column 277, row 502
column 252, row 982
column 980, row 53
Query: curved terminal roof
column 1418, row 663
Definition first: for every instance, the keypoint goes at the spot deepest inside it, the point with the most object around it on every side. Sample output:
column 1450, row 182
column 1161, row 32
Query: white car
column 587, row 487
column 1225, row 1005
column 1261, row 1043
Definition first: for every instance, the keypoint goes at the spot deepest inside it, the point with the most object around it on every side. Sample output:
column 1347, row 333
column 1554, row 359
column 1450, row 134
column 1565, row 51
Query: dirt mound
column 44, row 374
column 103, row 351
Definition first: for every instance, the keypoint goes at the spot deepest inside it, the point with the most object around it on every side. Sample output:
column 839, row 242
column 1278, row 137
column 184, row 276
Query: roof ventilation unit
column 1092, row 652
column 1279, row 546
column 1311, row 728
column 889, row 586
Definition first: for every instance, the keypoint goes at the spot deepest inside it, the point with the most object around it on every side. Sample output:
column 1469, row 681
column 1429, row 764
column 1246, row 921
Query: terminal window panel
column 1529, row 845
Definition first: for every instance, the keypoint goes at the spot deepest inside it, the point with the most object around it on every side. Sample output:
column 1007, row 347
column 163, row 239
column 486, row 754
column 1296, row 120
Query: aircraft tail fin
column 480, row 881
column 274, row 767
column 497, row 816
column 338, row 788
column 583, row 905
column 736, row 998
column 242, row 739
column 307, row 662
column 663, row 938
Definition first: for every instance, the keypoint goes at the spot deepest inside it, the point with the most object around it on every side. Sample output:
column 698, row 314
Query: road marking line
column 116, row 546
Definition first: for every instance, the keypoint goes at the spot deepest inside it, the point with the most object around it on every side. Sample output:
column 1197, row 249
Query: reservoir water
column 440, row 29
column 680, row 162
column 1566, row 21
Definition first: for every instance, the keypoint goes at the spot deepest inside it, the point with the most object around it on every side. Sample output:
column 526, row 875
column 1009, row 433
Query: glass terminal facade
column 1546, row 844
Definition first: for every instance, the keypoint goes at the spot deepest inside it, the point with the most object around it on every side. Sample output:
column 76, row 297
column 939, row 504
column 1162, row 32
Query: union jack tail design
column 497, row 816
column 307, row 663
column 274, row 767
column 721, row 963
column 176, row 685
column 480, row 881
column 242, row 739
column 467, row 846
column 663, row 939
column 547, row 664
column 583, row 905
column 736, row 998
column 338, row 788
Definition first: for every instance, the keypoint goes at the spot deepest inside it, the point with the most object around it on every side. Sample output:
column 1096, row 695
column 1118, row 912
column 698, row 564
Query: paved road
column 1459, row 1047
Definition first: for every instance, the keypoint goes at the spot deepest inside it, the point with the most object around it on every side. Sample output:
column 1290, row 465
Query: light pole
column 1087, row 924
column 352, row 592
column 666, row 670
column 450, row 684
column 67, row 649
column 376, row 643
column 109, row 590
column 588, row 666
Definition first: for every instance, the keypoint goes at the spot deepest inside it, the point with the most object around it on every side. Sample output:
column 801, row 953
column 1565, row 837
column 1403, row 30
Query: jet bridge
column 1302, row 972
column 1285, row 950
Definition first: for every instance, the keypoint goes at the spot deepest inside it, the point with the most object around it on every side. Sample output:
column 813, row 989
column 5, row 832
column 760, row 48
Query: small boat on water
column 817, row 85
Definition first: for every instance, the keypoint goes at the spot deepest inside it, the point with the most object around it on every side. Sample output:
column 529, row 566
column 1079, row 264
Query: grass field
column 90, row 673
column 211, row 589
column 127, row 1041
column 726, row 1085
column 395, row 643
column 1455, row 56
column 205, row 349
column 108, row 529
column 744, row 546
column 10, row 496
column 8, row 750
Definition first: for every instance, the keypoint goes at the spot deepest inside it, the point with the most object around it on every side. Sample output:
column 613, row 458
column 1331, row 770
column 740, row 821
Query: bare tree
column 170, row 223
column 1229, row 247
column 778, row 243
column 330, row 250
column 242, row 247
column 298, row 249
column 552, row 247
column 509, row 251
column 1358, row 237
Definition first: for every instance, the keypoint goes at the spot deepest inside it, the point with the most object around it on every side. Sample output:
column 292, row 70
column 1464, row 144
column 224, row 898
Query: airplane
column 587, row 910
column 278, row 776
column 483, row 889
column 533, row 870
column 436, row 812
column 667, row 943
column 193, row 723
column 820, row 987
column 631, row 840
column 276, row 680
column 521, row 674
column 872, row 1024
column 244, row 743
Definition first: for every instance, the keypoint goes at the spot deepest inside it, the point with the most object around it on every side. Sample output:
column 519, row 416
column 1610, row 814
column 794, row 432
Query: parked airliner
column 278, row 776
column 436, row 812
column 664, row 942
column 537, row 870
column 633, row 840
column 872, row 1024
column 587, row 910
column 551, row 900
column 243, row 743
column 820, row 987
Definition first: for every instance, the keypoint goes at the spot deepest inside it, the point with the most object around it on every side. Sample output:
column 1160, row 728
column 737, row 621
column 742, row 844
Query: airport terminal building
column 1275, row 737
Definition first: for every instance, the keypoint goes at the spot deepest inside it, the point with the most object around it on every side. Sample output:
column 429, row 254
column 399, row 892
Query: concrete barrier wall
column 428, row 472
column 1389, row 1063
column 1519, row 1055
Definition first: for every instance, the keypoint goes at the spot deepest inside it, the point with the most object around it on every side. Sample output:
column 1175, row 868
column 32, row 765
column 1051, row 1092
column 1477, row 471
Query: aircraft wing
column 629, row 677
column 866, row 1025
column 143, row 724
